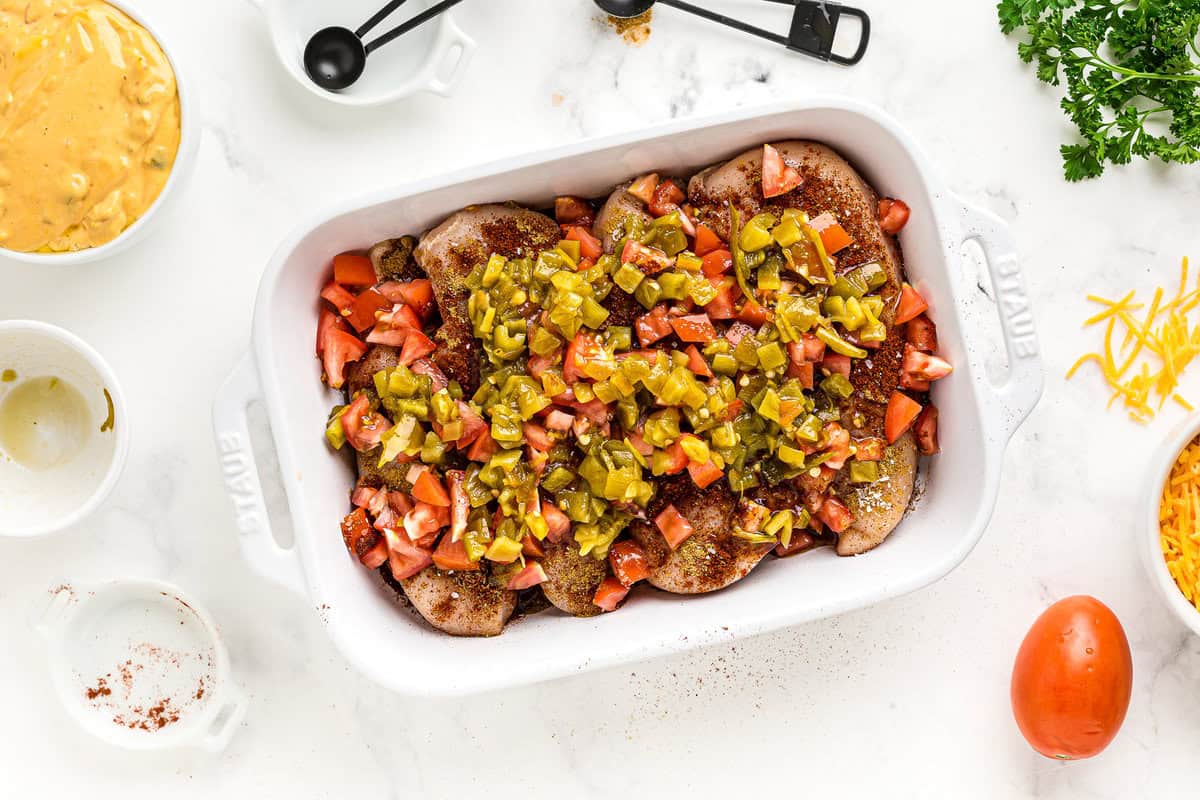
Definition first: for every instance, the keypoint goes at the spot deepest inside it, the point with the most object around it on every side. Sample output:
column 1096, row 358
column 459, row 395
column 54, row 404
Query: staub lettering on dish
column 1017, row 314
column 239, row 481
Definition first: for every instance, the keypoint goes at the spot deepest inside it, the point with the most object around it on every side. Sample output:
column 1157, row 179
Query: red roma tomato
column 1072, row 680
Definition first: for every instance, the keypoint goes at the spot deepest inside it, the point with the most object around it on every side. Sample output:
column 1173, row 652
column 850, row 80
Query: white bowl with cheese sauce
column 64, row 433
column 179, row 170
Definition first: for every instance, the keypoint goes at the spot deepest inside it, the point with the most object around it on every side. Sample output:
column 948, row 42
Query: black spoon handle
column 728, row 21
column 380, row 15
column 418, row 20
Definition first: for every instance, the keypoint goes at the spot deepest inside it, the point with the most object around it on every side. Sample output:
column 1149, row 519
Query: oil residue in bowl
column 43, row 423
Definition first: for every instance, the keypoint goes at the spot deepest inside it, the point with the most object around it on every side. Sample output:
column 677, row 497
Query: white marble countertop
column 906, row 699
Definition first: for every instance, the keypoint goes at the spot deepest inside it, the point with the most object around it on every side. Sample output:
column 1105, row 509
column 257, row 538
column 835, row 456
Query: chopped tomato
column 721, row 306
column 404, row 557
column 836, row 441
column 925, row 430
column 483, row 448
column 352, row 270
column 674, row 526
column 340, row 347
column 650, row 328
column 678, row 459
column 610, row 593
column 582, row 350
column 537, row 437
column 363, row 495
column 528, row 577
column 696, row 362
column 326, row 321
column 421, row 521
column 643, row 188
column 460, row 503
column 752, row 313
column 392, row 337
column 703, row 475
column 869, row 449
column 558, row 522
column 628, row 562
column 814, row 348
column 778, row 177
column 902, row 411
column 428, row 489
column 738, row 331
column 451, row 554
column 539, row 364
column 362, row 310
column 648, row 259
column 339, row 297
column 666, row 199
column 639, row 444
column 376, row 556
column 707, row 242
column 423, row 366
column 416, row 346
column 357, row 532
column 836, row 363
column 835, row 515
column 573, row 211
column 923, row 366
column 804, row 372
column 907, row 381
column 912, row 305
column 473, row 425
column 417, row 294
column 716, row 262
column 694, row 328
column 921, row 333
column 589, row 246
column 835, row 239
column 893, row 215
column 559, row 420
column 364, row 428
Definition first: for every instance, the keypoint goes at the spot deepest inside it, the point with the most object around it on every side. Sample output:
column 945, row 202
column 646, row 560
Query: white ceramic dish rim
column 226, row 703
column 185, row 158
column 449, row 36
column 120, row 425
column 1001, row 408
column 1149, row 547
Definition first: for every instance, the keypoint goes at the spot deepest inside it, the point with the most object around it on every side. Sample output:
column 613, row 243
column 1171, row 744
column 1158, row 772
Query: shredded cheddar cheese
column 1144, row 369
column 1178, row 521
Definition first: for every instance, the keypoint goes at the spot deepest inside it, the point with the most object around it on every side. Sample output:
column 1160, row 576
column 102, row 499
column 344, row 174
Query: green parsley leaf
column 1132, row 75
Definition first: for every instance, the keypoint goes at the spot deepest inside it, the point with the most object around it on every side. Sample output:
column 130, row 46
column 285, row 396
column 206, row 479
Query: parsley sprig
column 1132, row 70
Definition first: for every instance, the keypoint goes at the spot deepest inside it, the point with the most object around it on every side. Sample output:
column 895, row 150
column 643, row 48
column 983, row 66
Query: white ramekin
column 1156, row 476
column 52, row 351
column 116, row 648
column 185, row 161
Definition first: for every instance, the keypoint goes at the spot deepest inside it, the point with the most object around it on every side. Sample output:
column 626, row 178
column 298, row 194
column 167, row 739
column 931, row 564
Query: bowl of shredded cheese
column 1171, row 542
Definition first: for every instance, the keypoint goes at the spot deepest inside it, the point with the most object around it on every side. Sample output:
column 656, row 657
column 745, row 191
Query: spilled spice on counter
column 634, row 30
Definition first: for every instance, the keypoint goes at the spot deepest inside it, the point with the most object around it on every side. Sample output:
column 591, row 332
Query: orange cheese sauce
column 89, row 123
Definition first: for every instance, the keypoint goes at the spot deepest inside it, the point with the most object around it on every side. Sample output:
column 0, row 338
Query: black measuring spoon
column 814, row 24
column 334, row 57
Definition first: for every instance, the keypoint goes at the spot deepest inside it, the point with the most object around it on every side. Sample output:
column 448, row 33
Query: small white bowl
column 432, row 58
column 1156, row 477
column 140, row 665
column 181, row 170
column 44, row 500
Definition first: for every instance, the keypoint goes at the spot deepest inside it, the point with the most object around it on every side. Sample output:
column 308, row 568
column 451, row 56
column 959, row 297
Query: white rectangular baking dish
column 391, row 645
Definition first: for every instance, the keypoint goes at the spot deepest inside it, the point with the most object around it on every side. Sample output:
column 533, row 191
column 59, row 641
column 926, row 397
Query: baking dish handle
column 455, row 47
column 242, row 484
column 1019, row 394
